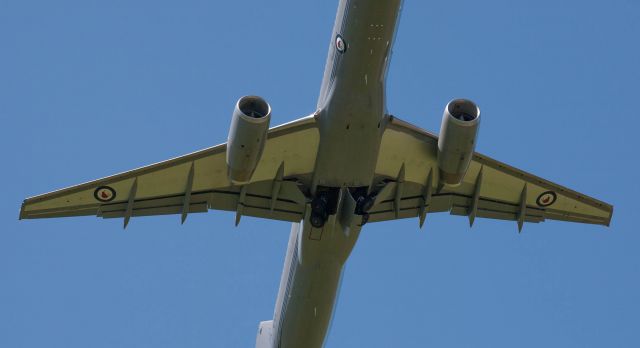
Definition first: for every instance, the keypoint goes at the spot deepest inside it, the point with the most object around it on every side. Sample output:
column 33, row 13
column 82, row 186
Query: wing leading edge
column 407, row 168
column 195, row 183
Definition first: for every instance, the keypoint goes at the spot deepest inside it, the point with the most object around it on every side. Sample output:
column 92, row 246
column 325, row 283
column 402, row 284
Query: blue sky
column 91, row 88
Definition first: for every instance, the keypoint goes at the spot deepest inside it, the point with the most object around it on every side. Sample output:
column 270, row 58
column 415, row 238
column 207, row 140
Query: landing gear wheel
column 319, row 205
column 319, row 213
column 367, row 204
column 317, row 220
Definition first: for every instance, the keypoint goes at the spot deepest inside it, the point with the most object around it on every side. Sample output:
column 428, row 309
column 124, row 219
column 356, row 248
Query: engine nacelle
column 457, row 141
column 247, row 137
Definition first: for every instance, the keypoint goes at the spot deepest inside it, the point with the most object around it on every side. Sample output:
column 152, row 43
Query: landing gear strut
column 364, row 203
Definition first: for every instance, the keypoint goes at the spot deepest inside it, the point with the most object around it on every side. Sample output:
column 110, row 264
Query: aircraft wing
column 490, row 189
column 195, row 183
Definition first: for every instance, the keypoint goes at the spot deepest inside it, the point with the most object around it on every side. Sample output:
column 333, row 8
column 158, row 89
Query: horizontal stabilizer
column 264, row 339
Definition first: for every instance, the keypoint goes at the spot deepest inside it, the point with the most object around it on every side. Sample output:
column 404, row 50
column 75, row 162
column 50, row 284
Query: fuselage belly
column 351, row 108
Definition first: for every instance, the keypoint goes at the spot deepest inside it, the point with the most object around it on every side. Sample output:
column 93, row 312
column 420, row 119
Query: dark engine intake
column 247, row 137
column 457, row 141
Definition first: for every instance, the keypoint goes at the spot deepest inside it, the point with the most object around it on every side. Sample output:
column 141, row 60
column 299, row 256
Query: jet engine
column 247, row 137
column 457, row 141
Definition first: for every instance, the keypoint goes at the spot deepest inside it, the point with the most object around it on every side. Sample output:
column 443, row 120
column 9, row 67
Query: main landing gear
column 326, row 203
column 323, row 205
column 364, row 203
column 319, row 211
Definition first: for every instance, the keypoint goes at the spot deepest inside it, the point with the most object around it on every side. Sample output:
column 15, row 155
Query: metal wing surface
column 195, row 183
column 407, row 165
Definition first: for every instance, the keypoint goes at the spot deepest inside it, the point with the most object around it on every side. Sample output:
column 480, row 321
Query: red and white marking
column 546, row 199
column 104, row 194
column 341, row 46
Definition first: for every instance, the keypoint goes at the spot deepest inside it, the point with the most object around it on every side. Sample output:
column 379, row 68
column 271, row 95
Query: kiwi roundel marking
column 104, row 194
column 546, row 198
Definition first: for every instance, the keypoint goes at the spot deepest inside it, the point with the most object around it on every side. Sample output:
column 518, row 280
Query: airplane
column 349, row 164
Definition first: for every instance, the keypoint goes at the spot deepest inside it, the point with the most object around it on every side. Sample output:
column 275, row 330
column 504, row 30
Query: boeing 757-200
column 349, row 164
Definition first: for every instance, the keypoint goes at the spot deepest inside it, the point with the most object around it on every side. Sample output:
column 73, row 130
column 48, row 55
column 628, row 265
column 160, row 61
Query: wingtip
column 608, row 224
column 22, row 214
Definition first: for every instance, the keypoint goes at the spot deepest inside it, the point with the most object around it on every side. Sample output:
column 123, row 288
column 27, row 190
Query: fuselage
column 352, row 97
column 350, row 109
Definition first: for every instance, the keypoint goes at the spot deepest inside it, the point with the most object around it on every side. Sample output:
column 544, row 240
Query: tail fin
column 264, row 339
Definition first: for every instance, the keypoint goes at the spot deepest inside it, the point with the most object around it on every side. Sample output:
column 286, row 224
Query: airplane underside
column 348, row 164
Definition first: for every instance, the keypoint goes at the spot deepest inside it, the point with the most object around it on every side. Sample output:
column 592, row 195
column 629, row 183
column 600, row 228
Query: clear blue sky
column 91, row 88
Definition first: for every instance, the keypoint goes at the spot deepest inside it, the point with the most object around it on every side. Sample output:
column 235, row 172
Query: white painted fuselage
column 351, row 108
